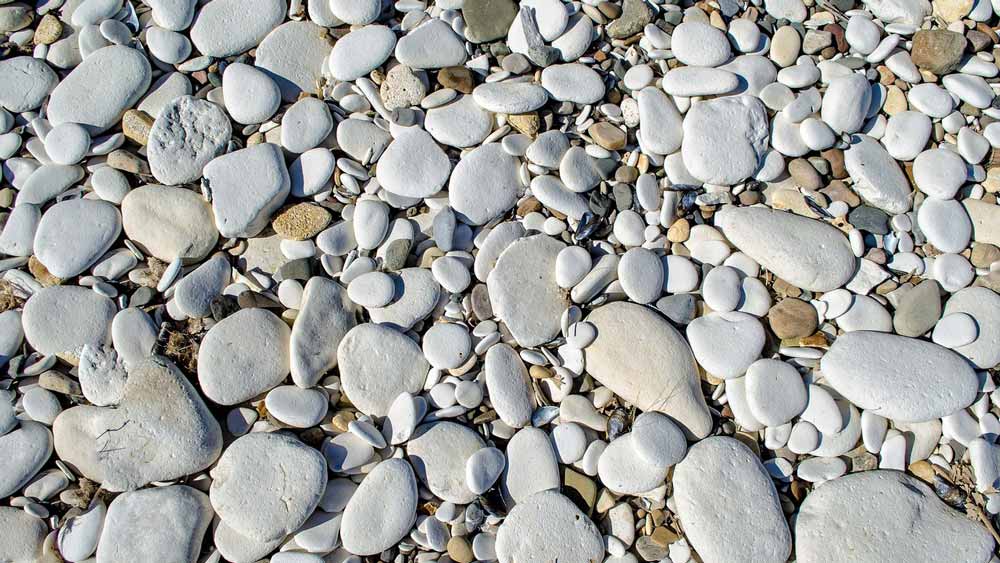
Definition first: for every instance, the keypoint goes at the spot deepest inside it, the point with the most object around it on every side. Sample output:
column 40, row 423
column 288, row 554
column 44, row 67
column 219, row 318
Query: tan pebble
column 679, row 231
column 460, row 550
column 539, row 372
column 607, row 135
column 126, row 161
column 792, row 318
column 301, row 221
column 525, row 123
column 136, row 125
column 664, row 536
column 49, row 30
column 41, row 273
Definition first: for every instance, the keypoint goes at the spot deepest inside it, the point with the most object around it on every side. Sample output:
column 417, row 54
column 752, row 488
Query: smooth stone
column 23, row 535
column 163, row 91
column 483, row 468
column 169, row 222
column 508, row 385
column 347, row 452
column 293, row 55
column 573, row 82
column 973, row 90
column 895, row 506
column 165, row 408
column 532, row 466
column 906, row 134
column 67, row 246
column 374, row 289
column 545, row 527
column 439, row 453
column 983, row 305
column 640, row 272
column 134, row 335
column 753, row 70
column 11, row 337
column 510, row 97
column 67, row 143
column 311, row 171
column 415, row 297
column 431, row 45
column 573, row 263
column 945, row 223
column 64, row 319
column 378, row 363
column 28, row 448
column 877, row 176
column 24, row 83
column 249, row 94
column 305, row 125
column 228, row 27
column 47, row 182
column 662, row 378
column 775, row 392
column 736, row 126
column 699, row 44
column 247, row 186
column 484, row 185
column 413, row 165
column 254, row 470
column 523, row 290
column 98, row 91
column 548, row 149
column 845, row 103
column 865, row 313
column 168, row 46
column 196, row 291
column 784, row 243
column 658, row 440
column 361, row 51
column 359, row 12
column 660, row 124
column 18, row 237
column 939, row 173
column 297, row 407
column 77, row 539
column 722, row 488
column 931, row 100
column 461, row 123
column 180, row 516
column 243, row 355
column 696, row 81
column 743, row 334
column 382, row 509
column 901, row 389
column 954, row 330
column 722, row 289
column 623, row 471
column 447, row 345
column 984, row 218
column 579, row 171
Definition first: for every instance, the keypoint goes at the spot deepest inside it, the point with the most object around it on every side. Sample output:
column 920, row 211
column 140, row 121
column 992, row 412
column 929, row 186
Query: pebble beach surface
column 535, row 281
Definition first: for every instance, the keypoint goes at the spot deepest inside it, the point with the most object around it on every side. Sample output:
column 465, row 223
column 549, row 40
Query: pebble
column 508, row 385
column 878, row 179
column 718, row 479
column 371, row 380
column 671, row 367
column 439, row 453
column 98, row 91
column 232, row 363
column 510, row 97
column 548, row 526
column 169, row 222
column 532, row 465
column 484, row 185
column 230, row 27
column 744, row 334
column 386, row 503
column 67, row 246
column 251, row 470
column 921, row 364
column 939, row 173
column 413, row 155
column 25, row 535
column 736, row 125
column 881, row 496
column 191, row 438
column 247, row 186
column 433, row 44
column 573, row 82
column 461, row 123
column 30, row 446
column 699, row 44
column 527, row 303
column 250, row 95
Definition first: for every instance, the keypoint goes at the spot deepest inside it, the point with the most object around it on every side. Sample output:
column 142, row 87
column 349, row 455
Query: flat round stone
column 169, row 222
column 744, row 337
column 939, row 173
column 63, row 319
column 249, row 93
column 545, row 527
column 66, row 244
column 378, row 363
column 243, row 356
column 24, row 83
column 640, row 272
column 893, row 505
column 699, row 44
column 523, row 289
column 510, row 97
column 484, row 184
column 230, row 27
column 736, row 126
column 439, row 453
column 775, row 392
column 361, row 51
column 413, row 165
column 573, row 82
column 447, row 345
column 186, row 135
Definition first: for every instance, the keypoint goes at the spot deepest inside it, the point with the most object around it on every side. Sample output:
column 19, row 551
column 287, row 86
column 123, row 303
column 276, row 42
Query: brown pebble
column 679, row 231
column 300, row 221
column 836, row 159
column 984, row 254
column 804, row 174
column 457, row 78
column 539, row 372
column 607, row 135
column 41, row 273
column 525, row 123
column 792, row 318
column 838, row 191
